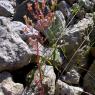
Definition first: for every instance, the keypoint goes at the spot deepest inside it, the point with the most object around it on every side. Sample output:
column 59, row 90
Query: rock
column 1, row 91
column 71, row 77
column 37, row 49
column 89, row 80
column 65, row 9
column 18, row 27
column 6, row 9
column 93, row 1
column 57, row 27
column 52, row 54
column 78, row 11
column 9, row 0
column 14, row 52
column 11, row 88
column 4, row 21
column 12, row 2
column 8, row 87
column 76, row 36
column 64, row 89
column 87, row 4
column 48, row 81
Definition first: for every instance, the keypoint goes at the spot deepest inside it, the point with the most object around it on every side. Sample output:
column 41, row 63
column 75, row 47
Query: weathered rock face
column 75, row 36
column 8, row 87
column 71, row 77
column 64, row 89
column 12, row 2
column 48, row 81
column 65, row 9
column 87, row 4
column 19, row 27
column 78, row 11
column 14, row 53
column 89, row 80
column 56, row 28
column 6, row 9
column 53, row 55
column 4, row 21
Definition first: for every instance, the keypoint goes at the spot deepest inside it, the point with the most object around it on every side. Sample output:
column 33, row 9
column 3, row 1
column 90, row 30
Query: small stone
column 64, row 89
column 71, row 77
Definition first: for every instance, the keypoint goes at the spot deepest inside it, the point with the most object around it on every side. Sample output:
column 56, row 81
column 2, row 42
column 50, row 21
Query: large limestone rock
column 1, row 93
column 18, row 27
column 6, row 9
column 89, row 80
column 48, row 81
column 14, row 52
column 5, row 75
column 64, row 89
column 8, row 87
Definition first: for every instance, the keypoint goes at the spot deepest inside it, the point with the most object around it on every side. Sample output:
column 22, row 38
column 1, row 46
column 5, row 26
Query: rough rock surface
column 6, row 9
column 18, row 27
column 64, row 89
column 14, row 52
column 76, row 36
column 12, row 2
column 8, row 87
column 71, row 77
column 48, row 81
